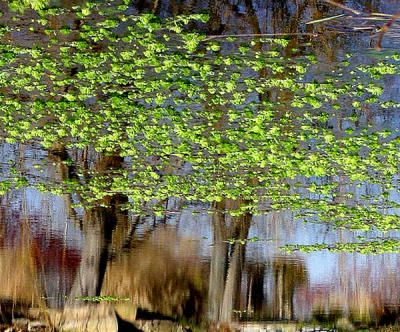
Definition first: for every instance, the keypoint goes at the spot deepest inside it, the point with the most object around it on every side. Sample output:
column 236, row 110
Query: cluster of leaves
column 369, row 247
column 101, row 298
column 240, row 313
column 196, row 120
column 22, row 5
column 242, row 241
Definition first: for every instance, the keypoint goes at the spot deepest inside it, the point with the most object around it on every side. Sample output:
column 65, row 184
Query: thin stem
column 261, row 35
column 384, row 29
column 334, row 3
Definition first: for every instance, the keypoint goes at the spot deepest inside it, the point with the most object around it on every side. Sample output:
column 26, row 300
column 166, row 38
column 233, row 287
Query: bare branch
column 384, row 29
column 252, row 35
column 334, row 3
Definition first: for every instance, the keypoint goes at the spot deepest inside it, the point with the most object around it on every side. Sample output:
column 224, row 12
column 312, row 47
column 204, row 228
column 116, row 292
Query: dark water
column 209, row 251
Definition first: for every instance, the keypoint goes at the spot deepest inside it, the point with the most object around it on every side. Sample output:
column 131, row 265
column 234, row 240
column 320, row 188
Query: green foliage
column 101, row 298
column 242, row 241
column 22, row 5
column 370, row 247
column 240, row 313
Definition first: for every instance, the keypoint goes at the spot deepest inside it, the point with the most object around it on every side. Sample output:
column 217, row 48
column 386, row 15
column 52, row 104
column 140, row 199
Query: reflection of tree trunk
column 283, row 295
column 288, row 276
column 218, row 266
column 234, row 275
column 98, row 225
column 58, row 153
column 226, row 269
column 232, row 283
column 88, row 281
column 255, row 296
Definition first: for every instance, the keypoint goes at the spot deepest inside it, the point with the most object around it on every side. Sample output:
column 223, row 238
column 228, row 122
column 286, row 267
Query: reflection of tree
column 226, row 263
column 288, row 276
column 97, row 226
column 269, row 151
column 160, row 275
column 98, row 223
column 227, row 269
column 255, row 289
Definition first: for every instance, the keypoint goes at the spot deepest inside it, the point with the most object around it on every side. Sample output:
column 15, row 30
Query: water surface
column 153, row 164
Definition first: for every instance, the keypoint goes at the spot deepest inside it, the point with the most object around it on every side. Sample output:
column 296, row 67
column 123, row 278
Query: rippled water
column 272, row 202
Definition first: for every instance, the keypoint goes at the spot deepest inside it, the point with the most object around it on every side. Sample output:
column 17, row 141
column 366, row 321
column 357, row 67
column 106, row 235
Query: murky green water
column 212, row 165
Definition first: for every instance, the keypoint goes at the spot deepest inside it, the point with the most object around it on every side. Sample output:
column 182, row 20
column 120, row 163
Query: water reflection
column 226, row 263
column 164, row 273
column 197, row 263
column 188, row 268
